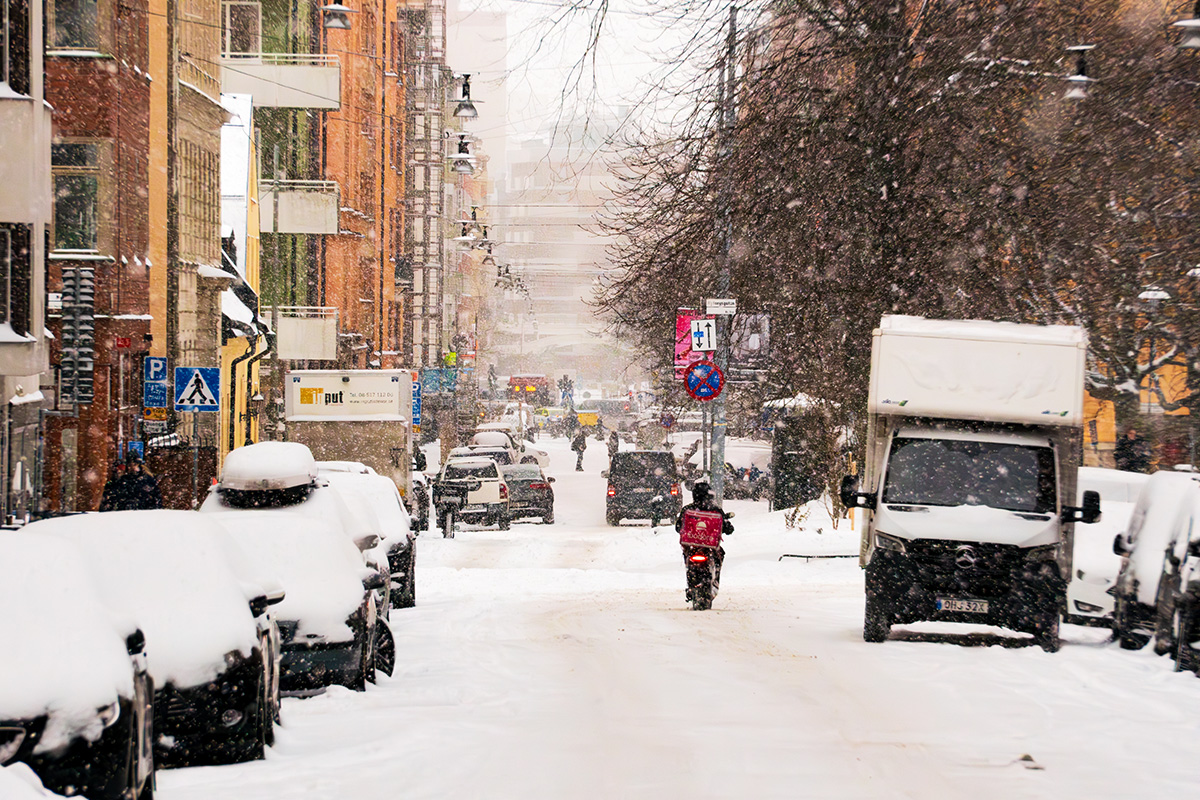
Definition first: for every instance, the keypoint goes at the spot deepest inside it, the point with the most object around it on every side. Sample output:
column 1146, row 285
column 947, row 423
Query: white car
column 1094, row 564
column 487, row 505
column 505, row 434
column 379, row 493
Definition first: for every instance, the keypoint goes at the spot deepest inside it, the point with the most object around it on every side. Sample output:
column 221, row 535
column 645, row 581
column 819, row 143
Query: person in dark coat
column 1132, row 453
column 614, row 445
column 702, row 500
column 579, row 444
column 131, row 490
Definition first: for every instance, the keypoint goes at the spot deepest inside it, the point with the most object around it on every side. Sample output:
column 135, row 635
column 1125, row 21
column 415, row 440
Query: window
column 75, row 24
column 76, row 167
column 950, row 472
column 241, row 29
column 16, row 254
column 14, row 45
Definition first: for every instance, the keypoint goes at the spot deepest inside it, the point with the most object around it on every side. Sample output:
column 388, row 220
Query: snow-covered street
column 562, row 662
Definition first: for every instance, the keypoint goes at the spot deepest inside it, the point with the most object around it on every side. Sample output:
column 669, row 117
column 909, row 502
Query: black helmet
column 133, row 457
column 701, row 490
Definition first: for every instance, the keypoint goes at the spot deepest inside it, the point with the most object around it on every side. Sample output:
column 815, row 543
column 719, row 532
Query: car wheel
column 1185, row 624
column 548, row 519
column 1164, row 615
column 447, row 524
column 385, row 650
column 503, row 522
column 366, row 665
column 1128, row 638
column 613, row 519
column 407, row 596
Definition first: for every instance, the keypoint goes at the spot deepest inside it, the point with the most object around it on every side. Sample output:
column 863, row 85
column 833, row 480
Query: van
column 642, row 484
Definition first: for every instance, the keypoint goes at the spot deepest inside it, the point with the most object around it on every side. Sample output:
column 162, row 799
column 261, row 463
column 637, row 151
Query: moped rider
column 702, row 500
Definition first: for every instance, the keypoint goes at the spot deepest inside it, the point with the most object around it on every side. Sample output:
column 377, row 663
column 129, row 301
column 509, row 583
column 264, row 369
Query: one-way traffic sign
column 197, row 389
column 704, row 334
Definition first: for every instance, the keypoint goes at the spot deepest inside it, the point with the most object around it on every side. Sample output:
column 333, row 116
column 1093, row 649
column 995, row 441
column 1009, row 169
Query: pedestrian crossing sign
column 197, row 389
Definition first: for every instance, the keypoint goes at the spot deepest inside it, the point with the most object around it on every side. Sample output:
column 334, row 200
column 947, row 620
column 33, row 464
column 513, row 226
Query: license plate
column 473, row 508
column 969, row 606
column 643, row 490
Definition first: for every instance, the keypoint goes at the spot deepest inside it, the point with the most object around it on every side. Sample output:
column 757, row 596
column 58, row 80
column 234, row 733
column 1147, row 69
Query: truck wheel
column 1046, row 627
column 877, row 617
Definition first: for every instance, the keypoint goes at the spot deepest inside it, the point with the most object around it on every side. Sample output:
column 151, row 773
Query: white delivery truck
column 974, row 440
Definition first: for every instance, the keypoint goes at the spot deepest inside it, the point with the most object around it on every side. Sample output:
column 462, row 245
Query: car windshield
column 948, row 472
column 454, row 471
column 522, row 472
column 637, row 466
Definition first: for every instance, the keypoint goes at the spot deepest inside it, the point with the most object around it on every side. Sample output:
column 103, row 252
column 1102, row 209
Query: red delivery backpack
column 701, row 528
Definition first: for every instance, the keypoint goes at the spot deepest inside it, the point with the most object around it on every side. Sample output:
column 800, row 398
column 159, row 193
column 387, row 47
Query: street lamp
column 462, row 162
column 1152, row 296
column 465, row 108
column 335, row 16
column 1191, row 30
column 1078, row 81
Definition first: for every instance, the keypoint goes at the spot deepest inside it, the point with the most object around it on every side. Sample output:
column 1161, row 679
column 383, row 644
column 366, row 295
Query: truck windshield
column 949, row 472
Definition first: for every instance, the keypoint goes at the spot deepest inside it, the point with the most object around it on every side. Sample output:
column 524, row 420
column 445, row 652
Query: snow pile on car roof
column 169, row 572
column 377, row 494
column 1150, row 529
column 268, row 465
column 60, row 652
column 321, row 571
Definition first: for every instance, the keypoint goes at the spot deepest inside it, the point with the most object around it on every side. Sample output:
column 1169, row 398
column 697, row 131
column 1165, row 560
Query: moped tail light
column 674, row 489
column 612, row 491
column 699, row 558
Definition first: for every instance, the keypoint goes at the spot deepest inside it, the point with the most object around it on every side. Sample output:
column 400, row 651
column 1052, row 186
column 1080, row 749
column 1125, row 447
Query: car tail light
column 503, row 491
column 674, row 490
column 698, row 558
column 539, row 486
column 612, row 491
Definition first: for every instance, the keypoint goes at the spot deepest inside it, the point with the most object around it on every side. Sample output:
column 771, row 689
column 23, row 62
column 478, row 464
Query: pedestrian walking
column 132, row 489
column 1132, row 453
column 579, row 444
column 614, row 445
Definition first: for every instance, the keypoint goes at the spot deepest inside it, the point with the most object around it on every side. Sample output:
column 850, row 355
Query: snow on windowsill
column 77, row 54
column 205, row 271
column 8, row 93
column 79, row 255
column 25, row 399
column 9, row 336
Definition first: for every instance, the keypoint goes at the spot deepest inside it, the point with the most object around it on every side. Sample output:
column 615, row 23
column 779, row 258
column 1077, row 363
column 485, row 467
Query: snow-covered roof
column 236, row 310
column 60, row 650
column 983, row 329
column 167, row 571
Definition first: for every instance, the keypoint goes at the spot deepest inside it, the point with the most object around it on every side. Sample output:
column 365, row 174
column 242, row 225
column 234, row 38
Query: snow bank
column 60, row 652
column 18, row 782
column 321, row 571
column 168, row 571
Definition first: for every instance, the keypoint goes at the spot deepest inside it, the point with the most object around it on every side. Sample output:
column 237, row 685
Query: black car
column 529, row 492
column 642, row 484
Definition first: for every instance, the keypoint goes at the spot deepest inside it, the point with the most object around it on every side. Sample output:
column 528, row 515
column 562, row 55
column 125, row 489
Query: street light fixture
column 1191, row 30
column 462, row 162
column 1152, row 296
column 1079, row 80
column 335, row 16
column 465, row 108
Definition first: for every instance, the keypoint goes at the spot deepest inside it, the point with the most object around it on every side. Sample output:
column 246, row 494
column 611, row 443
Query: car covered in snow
column 169, row 571
column 75, row 697
column 362, row 489
column 328, row 619
column 1094, row 564
column 506, row 434
column 1143, row 547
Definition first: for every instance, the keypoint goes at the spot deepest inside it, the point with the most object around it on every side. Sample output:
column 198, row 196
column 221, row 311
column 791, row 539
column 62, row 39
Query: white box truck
column 974, row 438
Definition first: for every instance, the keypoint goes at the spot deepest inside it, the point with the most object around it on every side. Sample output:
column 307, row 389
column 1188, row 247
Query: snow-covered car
column 75, row 698
column 19, row 782
column 285, row 475
column 169, row 571
column 380, row 494
column 487, row 505
column 488, row 435
column 529, row 492
column 1180, row 629
column 1094, row 564
column 327, row 620
column 501, row 455
column 1143, row 548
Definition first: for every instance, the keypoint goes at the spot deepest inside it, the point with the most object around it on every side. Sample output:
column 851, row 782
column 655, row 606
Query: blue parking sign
column 155, row 370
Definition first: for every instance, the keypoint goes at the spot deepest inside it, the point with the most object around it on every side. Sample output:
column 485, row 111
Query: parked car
column 1094, row 564
column 281, row 478
column 1184, row 622
column 487, row 505
column 642, row 484
column 76, row 699
column 169, row 571
column 524, row 452
column 529, row 492
column 245, row 471
column 380, row 494
column 501, row 455
column 328, row 621
column 1143, row 547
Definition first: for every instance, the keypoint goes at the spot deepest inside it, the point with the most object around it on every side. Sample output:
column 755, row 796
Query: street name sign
column 723, row 306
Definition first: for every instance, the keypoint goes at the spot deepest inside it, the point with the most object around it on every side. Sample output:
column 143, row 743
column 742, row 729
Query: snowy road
column 561, row 662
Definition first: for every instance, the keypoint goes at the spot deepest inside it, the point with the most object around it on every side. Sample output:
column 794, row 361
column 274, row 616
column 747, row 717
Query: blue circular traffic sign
column 704, row 380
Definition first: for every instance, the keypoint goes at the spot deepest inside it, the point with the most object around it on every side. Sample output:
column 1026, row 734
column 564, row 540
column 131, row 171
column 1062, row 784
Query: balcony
column 284, row 80
column 25, row 166
column 303, row 206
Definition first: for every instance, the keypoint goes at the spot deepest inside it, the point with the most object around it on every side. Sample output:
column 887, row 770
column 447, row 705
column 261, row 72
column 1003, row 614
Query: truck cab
column 973, row 451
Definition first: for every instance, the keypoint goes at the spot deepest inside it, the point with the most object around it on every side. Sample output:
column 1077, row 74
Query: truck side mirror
column 1090, row 512
column 1194, row 548
column 851, row 497
column 1120, row 545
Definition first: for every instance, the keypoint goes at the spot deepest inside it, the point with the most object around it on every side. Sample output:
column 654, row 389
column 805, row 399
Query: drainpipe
column 270, row 346
column 233, row 412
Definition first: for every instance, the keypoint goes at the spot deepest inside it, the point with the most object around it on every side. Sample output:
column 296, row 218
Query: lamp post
column 1152, row 297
